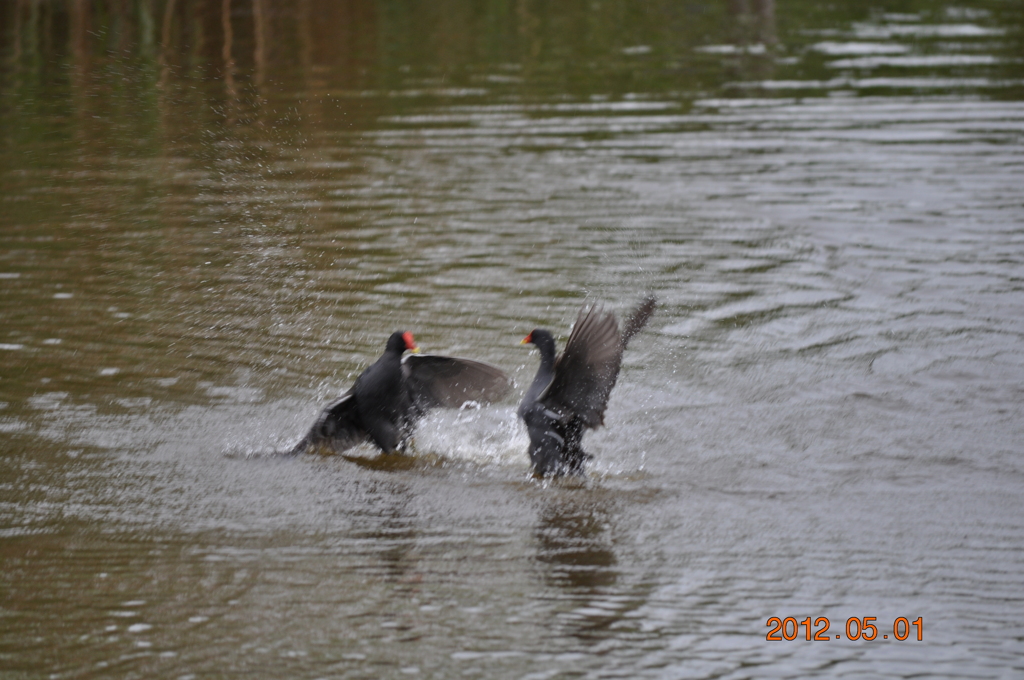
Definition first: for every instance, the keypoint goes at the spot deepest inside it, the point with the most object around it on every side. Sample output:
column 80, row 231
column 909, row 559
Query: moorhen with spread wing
column 570, row 392
column 391, row 395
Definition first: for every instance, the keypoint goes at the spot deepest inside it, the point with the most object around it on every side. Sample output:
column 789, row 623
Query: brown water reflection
column 575, row 548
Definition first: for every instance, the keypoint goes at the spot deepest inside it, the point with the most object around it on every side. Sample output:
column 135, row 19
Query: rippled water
column 208, row 230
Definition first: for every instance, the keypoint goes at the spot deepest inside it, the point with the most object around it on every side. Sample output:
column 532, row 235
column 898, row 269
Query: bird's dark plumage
column 570, row 393
column 392, row 394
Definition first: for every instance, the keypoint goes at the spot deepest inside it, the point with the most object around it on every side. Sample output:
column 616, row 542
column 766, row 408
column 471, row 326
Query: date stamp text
column 857, row 628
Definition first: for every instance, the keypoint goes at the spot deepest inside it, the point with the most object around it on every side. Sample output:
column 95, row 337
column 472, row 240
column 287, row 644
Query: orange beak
column 410, row 343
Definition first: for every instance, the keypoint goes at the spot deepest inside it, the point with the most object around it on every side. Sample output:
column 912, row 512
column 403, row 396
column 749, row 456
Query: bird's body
column 393, row 393
column 381, row 401
column 570, row 392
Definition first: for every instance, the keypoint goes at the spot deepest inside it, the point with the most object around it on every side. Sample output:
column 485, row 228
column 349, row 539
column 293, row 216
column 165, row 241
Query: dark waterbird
column 570, row 393
column 391, row 395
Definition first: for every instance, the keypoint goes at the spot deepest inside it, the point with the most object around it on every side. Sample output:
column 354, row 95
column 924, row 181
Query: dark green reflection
column 149, row 76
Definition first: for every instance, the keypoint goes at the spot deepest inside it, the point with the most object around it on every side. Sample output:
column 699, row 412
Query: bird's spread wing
column 586, row 370
column 437, row 381
column 638, row 319
column 337, row 428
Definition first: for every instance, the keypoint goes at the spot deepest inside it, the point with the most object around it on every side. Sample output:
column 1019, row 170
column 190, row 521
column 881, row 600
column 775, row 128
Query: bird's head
column 401, row 341
column 542, row 340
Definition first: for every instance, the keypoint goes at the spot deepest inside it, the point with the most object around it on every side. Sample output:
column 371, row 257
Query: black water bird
column 570, row 392
column 391, row 395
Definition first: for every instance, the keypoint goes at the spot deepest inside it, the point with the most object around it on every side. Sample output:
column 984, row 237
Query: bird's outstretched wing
column 588, row 367
column 638, row 319
column 337, row 428
column 437, row 381
column 586, row 370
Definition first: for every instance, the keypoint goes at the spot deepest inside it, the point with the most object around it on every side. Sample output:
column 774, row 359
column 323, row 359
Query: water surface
column 215, row 213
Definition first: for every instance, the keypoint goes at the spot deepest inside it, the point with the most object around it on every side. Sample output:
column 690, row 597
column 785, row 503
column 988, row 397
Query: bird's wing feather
column 638, row 319
column 337, row 428
column 588, row 367
column 448, row 382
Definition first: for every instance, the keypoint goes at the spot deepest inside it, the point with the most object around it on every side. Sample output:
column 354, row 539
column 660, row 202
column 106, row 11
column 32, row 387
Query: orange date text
column 857, row 628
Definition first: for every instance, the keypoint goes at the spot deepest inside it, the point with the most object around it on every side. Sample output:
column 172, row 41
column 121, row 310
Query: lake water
column 213, row 214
